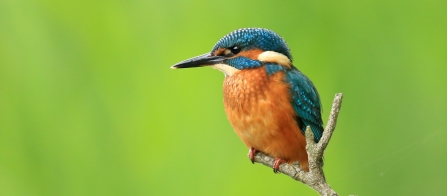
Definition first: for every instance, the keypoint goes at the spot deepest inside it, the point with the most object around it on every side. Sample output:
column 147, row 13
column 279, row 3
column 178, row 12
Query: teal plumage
column 306, row 102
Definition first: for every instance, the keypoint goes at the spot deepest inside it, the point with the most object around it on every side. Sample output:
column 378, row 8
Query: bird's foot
column 276, row 164
column 251, row 154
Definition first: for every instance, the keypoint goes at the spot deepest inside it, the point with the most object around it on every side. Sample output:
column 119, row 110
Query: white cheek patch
column 275, row 57
column 226, row 69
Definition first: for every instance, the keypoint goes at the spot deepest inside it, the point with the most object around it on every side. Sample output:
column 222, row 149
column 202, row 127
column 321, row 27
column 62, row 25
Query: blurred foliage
column 89, row 106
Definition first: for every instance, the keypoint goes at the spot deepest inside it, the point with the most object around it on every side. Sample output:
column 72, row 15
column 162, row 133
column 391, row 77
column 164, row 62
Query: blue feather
column 273, row 68
column 305, row 102
column 241, row 62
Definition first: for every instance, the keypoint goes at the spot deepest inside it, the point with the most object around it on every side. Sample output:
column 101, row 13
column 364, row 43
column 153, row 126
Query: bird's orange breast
column 259, row 108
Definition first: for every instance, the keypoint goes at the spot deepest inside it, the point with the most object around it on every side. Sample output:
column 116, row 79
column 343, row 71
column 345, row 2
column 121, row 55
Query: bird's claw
column 276, row 164
column 251, row 154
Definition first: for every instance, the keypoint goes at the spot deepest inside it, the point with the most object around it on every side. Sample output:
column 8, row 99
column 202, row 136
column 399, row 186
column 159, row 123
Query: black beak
column 199, row 61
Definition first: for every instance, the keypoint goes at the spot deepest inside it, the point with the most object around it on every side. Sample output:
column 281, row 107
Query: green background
column 89, row 106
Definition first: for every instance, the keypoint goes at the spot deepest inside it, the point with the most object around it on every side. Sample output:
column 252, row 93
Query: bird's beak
column 199, row 61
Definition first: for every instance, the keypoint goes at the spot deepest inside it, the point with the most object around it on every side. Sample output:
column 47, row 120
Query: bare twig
column 315, row 177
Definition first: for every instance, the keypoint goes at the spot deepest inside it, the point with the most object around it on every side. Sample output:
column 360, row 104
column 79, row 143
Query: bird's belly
column 259, row 108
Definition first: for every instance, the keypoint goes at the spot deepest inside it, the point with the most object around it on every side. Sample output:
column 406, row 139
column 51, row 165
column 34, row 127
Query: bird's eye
column 235, row 49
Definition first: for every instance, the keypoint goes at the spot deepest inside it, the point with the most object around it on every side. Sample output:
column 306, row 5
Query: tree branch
column 315, row 177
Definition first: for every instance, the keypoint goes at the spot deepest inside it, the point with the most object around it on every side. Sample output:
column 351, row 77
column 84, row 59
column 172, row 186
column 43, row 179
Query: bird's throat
column 226, row 69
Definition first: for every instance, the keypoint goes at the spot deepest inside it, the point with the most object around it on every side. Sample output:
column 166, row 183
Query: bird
column 268, row 101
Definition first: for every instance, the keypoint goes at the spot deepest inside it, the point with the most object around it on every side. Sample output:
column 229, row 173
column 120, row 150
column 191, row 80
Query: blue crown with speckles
column 251, row 38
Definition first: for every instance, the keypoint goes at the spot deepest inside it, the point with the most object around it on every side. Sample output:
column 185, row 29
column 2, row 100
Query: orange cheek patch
column 219, row 52
column 252, row 54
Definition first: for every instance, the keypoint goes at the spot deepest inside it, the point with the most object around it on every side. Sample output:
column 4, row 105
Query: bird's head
column 243, row 49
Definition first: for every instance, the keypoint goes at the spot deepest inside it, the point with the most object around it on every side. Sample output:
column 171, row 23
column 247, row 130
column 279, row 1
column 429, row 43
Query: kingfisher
column 268, row 101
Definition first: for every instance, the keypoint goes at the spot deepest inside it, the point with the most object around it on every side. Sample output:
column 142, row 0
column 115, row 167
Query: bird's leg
column 276, row 164
column 251, row 154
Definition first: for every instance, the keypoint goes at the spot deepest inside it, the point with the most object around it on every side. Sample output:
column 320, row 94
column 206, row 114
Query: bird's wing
column 305, row 102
